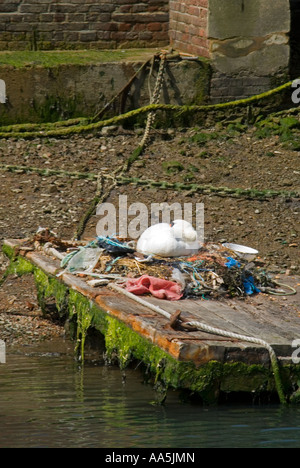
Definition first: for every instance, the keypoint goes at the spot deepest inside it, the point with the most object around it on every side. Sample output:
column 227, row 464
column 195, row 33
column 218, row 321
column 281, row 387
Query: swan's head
column 184, row 230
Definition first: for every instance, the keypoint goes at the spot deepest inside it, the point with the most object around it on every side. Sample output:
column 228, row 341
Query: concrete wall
column 249, row 44
column 43, row 94
column 247, row 41
column 66, row 24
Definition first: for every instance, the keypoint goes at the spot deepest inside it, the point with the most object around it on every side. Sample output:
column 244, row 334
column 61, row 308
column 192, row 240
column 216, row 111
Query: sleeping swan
column 169, row 240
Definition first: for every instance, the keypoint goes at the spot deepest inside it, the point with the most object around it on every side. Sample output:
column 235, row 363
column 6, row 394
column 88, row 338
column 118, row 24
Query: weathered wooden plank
column 239, row 319
column 47, row 264
column 220, row 315
column 285, row 319
column 207, row 314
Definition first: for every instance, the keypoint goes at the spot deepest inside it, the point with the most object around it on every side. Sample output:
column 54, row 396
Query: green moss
column 56, row 108
column 8, row 251
column 21, row 267
column 17, row 266
column 202, row 81
column 49, row 287
column 172, row 167
column 203, row 137
column 47, row 59
column 287, row 128
column 80, row 308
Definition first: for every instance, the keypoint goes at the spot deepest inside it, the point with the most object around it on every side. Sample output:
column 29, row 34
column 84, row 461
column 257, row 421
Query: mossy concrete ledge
column 126, row 341
column 44, row 86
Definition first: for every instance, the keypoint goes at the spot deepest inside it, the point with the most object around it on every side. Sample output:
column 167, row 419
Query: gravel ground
column 239, row 160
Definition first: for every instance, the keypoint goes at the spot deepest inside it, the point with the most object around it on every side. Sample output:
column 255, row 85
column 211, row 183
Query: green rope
column 157, row 184
column 78, row 126
column 47, row 172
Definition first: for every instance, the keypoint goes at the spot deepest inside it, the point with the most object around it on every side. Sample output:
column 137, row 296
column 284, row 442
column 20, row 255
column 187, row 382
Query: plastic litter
column 86, row 258
column 246, row 253
column 114, row 246
column 215, row 271
column 249, row 286
column 232, row 263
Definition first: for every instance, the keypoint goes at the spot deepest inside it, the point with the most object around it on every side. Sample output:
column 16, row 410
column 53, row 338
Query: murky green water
column 45, row 401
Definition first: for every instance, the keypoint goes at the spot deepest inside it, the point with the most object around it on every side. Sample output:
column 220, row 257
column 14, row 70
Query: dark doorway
column 295, row 39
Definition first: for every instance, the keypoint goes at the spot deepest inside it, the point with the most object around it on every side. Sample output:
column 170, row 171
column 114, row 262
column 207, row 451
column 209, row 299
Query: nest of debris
column 214, row 271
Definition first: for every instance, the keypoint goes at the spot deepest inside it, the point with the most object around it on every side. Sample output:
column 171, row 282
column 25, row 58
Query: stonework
column 250, row 44
column 80, row 24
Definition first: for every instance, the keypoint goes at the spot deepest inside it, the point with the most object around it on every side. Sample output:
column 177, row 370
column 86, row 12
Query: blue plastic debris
column 114, row 246
column 232, row 263
column 249, row 286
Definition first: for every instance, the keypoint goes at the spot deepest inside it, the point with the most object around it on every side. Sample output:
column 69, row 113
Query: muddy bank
column 238, row 161
column 235, row 159
column 21, row 320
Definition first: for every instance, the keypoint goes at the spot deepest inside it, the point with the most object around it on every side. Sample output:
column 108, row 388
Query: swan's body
column 175, row 240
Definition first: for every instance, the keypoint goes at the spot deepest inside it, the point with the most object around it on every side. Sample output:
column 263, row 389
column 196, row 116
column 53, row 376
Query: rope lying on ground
column 157, row 184
column 215, row 331
column 280, row 292
column 98, row 198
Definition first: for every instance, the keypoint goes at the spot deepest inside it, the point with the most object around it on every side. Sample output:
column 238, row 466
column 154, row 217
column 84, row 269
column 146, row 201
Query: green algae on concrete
column 48, row 86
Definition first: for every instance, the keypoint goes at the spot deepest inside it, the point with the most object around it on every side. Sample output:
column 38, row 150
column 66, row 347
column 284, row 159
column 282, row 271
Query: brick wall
column 188, row 26
column 74, row 24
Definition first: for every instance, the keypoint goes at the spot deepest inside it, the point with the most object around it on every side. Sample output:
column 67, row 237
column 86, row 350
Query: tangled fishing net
column 213, row 272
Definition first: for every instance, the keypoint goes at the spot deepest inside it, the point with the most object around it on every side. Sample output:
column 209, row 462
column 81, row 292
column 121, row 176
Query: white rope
column 195, row 323
column 216, row 331
column 50, row 250
column 154, row 99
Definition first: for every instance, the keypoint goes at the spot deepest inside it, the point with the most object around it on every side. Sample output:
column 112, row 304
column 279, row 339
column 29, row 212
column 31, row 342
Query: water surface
column 47, row 401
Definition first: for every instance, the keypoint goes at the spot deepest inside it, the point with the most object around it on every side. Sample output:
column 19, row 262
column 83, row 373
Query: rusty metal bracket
column 178, row 323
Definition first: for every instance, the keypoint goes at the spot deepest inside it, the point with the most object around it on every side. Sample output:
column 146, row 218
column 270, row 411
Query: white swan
column 169, row 240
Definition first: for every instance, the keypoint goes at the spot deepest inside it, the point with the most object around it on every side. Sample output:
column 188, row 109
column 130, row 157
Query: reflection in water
column 46, row 401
